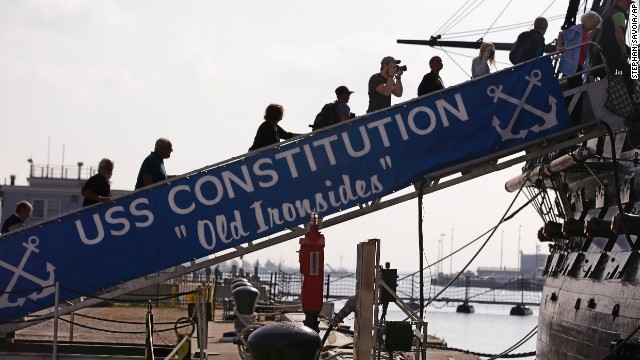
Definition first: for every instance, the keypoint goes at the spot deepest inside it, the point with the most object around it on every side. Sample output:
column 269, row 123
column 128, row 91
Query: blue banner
column 269, row 191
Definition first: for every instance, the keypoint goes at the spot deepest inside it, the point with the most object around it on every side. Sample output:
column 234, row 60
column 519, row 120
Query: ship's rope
column 517, row 344
column 144, row 300
column 504, row 216
column 507, row 356
column 454, row 61
column 470, row 6
column 614, row 352
column 474, row 240
column 616, row 181
column 459, row 15
column 497, row 17
column 118, row 331
column 497, row 29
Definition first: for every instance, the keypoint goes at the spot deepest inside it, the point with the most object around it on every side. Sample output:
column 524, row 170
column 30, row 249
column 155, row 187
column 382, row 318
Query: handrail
column 590, row 68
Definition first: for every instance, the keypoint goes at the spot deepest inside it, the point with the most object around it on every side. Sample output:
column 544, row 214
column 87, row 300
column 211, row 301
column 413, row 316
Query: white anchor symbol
column 17, row 273
column 550, row 119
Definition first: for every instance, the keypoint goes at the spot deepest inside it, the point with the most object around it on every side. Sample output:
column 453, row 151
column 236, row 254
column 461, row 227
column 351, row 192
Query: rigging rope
column 497, row 17
column 545, row 10
column 519, row 343
column 468, row 33
column 449, row 19
column 460, row 16
column 481, row 247
column 452, row 59
column 474, row 240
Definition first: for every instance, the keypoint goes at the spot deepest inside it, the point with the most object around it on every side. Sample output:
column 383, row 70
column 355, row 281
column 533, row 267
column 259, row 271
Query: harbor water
column 490, row 330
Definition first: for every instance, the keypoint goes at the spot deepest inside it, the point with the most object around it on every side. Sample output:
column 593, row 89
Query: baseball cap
column 343, row 90
column 388, row 59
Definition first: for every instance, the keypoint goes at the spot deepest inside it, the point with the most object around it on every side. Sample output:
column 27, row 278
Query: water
column 489, row 330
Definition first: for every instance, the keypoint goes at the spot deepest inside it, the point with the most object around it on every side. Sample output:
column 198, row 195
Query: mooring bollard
column 284, row 341
column 245, row 299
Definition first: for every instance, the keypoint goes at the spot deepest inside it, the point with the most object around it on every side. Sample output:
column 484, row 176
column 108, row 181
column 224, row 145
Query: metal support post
column 72, row 318
column 56, row 314
column 364, row 331
column 148, row 345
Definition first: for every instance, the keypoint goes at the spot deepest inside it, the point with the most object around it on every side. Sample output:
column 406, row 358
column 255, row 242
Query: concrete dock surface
column 125, row 325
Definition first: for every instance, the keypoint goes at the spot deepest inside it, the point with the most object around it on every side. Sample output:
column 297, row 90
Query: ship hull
column 581, row 316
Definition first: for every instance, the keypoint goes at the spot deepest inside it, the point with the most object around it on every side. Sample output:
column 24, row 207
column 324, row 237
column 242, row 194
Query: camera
column 491, row 52
column 403, row 67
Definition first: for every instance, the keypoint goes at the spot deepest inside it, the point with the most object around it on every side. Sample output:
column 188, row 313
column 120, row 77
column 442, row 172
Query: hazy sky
column 107, row 78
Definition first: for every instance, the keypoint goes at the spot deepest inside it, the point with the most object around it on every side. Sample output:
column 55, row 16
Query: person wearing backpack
column 530, row 44
column 343, row 111
column 334, row 112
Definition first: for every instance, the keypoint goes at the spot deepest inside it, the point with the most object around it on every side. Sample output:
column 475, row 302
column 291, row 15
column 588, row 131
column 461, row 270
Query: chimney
column 13, row 180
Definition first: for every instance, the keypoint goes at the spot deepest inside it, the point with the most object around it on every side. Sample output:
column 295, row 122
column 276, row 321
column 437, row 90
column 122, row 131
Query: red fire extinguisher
column 312, row 269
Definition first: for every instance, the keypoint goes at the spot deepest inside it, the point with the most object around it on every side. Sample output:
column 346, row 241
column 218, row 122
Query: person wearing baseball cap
column 343, row 94
column 385, row 83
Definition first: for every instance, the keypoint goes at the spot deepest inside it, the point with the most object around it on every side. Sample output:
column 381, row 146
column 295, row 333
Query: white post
column 451, row 256
column 366, row 290
column 519, row 251
column 501, row 242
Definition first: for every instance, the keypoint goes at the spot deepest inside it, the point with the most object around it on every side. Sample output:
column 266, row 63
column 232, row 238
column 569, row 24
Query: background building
column 51, row 189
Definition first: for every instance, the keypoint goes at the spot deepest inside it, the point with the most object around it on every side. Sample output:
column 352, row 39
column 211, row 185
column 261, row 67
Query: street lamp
column 501, row 242
column 519, row 251
column 451, row 255
column 440, row 252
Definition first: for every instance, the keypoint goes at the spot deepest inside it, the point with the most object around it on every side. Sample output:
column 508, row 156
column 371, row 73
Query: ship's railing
column 574, row 86
column 619, row 100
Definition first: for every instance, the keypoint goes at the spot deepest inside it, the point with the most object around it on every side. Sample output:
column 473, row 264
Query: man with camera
column 388, row 81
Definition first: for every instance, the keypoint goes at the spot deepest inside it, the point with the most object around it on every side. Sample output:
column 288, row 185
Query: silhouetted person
column 530, row 44
column 270, row 132
column 152, row 168
column 16, row 220
column 385, row 83
column 342, row 108
column 432, row 81
column 98, row 188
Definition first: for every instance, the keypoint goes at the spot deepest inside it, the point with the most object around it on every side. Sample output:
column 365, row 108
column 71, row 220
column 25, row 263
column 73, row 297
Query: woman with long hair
column 480, row 64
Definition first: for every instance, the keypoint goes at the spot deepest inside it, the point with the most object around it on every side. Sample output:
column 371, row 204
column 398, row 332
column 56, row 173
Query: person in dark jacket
column 432, row 81
column 98, row 188
column 270, row 132
column 530, row 44
column 16, row 221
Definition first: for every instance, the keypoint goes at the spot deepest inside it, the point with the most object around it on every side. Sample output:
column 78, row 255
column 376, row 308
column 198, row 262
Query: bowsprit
column 45, row 284
column 550, row 118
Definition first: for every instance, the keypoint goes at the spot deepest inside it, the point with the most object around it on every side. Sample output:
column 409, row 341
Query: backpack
column 327, row 116
column 520, row 49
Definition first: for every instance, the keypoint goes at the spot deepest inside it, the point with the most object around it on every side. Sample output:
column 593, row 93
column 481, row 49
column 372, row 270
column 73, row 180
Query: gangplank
column 261, row 199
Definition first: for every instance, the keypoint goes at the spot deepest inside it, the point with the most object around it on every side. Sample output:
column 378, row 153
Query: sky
column 107, row 78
